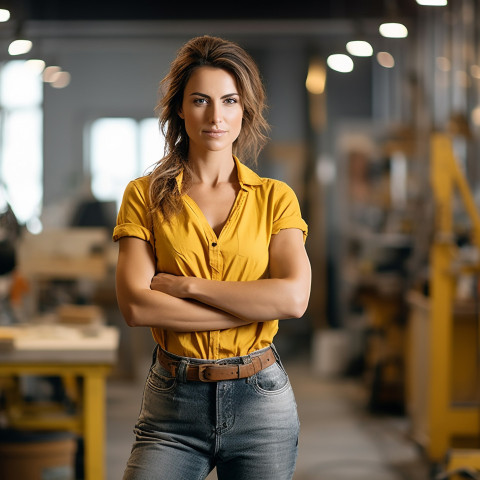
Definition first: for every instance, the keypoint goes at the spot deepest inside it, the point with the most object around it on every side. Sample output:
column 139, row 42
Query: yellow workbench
column 55, row 351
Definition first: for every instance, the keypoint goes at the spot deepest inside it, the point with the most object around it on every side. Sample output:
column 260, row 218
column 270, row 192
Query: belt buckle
column 201, row 373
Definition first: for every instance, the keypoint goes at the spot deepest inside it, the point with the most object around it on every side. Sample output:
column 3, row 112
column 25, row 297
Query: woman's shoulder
column 265, row 186
column 275, row 186
column 140, row 185
column 136, row 191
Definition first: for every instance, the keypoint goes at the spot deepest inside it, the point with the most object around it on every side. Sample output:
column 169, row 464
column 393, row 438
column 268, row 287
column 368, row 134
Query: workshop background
column 380, row 139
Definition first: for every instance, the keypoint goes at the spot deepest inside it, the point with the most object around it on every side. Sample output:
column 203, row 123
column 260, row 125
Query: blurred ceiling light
column 326, row 170
column 385, row 59
column 340, row 63
column 433, row 3
column 4, row 15
column 35, row 65
column 34, row 226
column 50, row 73
column 476, row 116
column 475, row 71
column 62, row 80
column 443, row 64
column 359, row 48
column 393, row 30
column 316, row 77
column 19, row 47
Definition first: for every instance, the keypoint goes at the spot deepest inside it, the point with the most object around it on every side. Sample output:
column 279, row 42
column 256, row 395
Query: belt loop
column 277, row 355
column 154, row 355
column 182, row 371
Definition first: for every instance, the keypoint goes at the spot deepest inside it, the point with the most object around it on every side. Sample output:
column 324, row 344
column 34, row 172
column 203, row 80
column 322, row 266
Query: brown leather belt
column 213, row 372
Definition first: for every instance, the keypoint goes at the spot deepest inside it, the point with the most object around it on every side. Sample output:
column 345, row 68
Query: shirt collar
column 246, row 176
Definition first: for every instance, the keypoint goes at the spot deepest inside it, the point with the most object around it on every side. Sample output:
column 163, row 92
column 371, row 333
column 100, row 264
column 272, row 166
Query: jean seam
column 261, row 391
column 151, row 383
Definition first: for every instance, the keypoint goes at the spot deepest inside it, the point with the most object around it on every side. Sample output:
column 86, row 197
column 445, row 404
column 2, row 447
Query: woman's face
column 212, row 110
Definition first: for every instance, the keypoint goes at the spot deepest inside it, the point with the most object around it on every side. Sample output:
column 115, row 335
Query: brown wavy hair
column 198, row 52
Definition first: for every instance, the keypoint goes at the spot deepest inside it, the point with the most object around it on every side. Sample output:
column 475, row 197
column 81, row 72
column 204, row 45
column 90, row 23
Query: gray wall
column 108, row 79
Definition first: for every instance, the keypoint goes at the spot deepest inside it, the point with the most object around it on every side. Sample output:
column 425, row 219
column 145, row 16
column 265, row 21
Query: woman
column 210, row 257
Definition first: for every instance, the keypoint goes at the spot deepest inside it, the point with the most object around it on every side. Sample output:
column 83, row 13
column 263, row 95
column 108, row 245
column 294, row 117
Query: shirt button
column 214, row 244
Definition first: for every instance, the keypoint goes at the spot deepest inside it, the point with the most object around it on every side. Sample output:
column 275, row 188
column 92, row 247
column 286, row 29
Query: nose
column 216, row 113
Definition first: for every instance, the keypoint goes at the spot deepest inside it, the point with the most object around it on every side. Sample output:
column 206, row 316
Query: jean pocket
column 271, row 381
column 160, row 380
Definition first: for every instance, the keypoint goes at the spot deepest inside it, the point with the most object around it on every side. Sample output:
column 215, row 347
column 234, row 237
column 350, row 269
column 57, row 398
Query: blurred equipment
column 63, row 265
column 53, row 366
column 444, row 343
column 9, row 233
column 37, row 456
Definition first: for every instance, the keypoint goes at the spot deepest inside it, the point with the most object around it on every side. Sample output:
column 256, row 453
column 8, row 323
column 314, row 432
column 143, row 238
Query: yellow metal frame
column 90, row 423
column 444, row 419
column 461, row 460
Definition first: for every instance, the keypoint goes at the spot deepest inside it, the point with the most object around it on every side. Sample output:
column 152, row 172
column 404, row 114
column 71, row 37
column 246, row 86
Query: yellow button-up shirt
column 187, row 245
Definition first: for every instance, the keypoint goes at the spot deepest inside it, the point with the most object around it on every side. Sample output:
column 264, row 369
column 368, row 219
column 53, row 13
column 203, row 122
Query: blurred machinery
column 443, row 361
column 9, row 234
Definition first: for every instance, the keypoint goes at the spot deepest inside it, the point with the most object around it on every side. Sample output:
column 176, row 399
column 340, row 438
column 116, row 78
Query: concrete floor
column 339, row 439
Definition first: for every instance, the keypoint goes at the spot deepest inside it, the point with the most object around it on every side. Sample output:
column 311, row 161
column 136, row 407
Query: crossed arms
column 188, row 304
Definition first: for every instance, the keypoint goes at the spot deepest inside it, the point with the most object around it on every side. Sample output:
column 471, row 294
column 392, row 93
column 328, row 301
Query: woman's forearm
column 258, row 300
column 156, row 309
column 253, row 301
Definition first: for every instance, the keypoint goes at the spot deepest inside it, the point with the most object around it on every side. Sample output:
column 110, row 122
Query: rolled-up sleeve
column 287, row 211
column 133, row 219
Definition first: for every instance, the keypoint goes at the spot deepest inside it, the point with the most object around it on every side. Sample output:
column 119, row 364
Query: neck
column 212, row 169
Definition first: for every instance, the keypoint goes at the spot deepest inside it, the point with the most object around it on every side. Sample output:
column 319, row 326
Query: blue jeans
column 246, row 428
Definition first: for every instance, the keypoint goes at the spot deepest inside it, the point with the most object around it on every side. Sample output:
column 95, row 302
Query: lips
column 214, row 133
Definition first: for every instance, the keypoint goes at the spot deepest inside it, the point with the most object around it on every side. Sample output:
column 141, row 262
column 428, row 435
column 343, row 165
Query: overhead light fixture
column 359, row 48
column 433, row 3
column 62, row 79
column 385, row 59
column 340, row 63
column 475, row 115
column 316, row 77
column 50, row 73
column 393, row 30
column 19, row 47
column 35, row 65
column 4, row 15
column 475, row 71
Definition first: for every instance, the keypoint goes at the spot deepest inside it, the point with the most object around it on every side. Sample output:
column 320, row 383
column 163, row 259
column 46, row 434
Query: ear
column 181, row 115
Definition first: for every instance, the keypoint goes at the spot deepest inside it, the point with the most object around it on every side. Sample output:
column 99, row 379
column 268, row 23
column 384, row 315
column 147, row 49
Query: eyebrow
column 208, row 96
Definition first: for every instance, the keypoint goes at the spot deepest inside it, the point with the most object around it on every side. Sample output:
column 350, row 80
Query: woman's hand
column 170, row 284
column 284, row 294
column 150, row 301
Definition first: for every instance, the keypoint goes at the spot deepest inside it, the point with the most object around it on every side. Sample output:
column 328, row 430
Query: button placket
column 214, row 253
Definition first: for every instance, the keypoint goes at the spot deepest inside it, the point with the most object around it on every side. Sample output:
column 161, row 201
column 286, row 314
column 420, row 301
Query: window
column 21, row 162
column 121, row 149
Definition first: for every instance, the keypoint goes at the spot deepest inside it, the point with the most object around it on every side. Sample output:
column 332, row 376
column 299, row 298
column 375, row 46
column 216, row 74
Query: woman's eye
column 231, row 100
column 200, row 101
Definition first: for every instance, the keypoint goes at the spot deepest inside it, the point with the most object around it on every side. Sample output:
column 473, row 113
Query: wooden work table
column 73, row 354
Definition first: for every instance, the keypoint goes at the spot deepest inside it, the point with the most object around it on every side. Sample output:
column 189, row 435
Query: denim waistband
column 222, row 361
